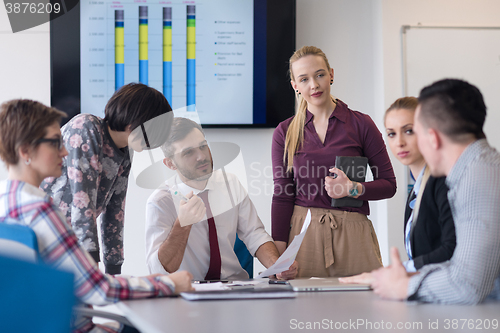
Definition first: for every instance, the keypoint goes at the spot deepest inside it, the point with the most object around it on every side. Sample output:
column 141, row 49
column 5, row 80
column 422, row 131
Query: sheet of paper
column 209, row 286
column 288, row 257
column 245, row 283
column 225, row 285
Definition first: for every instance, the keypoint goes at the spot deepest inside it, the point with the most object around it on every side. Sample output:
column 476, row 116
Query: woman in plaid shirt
column 31, row 146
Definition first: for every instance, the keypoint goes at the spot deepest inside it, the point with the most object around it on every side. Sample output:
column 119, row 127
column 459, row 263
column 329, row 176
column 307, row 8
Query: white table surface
column 344, row 311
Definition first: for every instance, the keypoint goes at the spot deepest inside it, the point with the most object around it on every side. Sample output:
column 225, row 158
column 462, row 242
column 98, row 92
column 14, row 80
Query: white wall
column 24, row 64
column 362, row 41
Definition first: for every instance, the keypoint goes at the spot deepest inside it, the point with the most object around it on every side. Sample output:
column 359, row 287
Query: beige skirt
column 337, row 243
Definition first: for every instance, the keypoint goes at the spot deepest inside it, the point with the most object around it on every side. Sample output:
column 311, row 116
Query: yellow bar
column 119, row 45
column 143, row 42
column 167, row 44
column 191, row 43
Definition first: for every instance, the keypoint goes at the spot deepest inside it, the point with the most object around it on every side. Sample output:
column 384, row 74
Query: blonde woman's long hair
column 295, row 133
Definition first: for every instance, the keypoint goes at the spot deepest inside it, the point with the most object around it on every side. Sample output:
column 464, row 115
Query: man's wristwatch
column 354, row 190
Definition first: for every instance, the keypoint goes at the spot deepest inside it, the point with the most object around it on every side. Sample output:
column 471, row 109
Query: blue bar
column 191, row 85
column 167, row 81
column 167, row 23
column 119, row 75
column 260, row 62
column 143, row 21
column 119, row 24
column 191, row 17
column 143, row 71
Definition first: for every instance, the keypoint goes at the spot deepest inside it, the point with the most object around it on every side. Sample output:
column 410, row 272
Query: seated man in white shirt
column 179, row 223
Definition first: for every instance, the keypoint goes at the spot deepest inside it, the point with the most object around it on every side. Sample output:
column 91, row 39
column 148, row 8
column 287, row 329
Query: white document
column 288, row 257
column 209, row 286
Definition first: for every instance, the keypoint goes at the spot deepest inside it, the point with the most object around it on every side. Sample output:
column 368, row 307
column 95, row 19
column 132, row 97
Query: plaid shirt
column 473, row 272
column 22, row 203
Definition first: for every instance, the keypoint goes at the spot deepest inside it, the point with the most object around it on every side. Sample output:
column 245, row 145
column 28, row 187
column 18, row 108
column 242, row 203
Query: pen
column 178, row 194
column 278, row 282
column 211, row 281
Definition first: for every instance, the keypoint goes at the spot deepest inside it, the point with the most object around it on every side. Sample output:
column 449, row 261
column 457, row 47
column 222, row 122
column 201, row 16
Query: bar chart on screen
column 194, row 52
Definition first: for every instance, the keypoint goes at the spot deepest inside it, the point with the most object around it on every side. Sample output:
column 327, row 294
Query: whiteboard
column 468, row 53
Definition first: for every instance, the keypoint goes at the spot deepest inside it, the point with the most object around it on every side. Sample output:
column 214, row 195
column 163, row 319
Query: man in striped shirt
column 449, row 124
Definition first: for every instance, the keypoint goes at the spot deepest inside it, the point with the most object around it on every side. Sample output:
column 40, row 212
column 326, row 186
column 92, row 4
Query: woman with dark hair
column 32, row 148
column 95, row 173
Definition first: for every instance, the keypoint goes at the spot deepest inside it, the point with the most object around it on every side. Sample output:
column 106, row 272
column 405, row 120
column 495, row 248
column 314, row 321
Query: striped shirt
column 22, row 203
column 472, row 273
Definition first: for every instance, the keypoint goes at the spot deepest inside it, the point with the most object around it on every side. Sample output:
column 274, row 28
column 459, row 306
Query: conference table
column 359, row 311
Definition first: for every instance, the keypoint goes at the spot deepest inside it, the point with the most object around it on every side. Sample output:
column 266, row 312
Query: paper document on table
column 211, row 286
column 208, row 286
column 288, row 257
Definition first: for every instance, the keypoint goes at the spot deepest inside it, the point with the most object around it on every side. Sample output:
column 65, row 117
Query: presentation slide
column 199, row 54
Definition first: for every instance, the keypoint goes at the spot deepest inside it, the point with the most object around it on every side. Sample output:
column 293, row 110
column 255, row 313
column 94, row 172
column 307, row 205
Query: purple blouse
column 350, row 133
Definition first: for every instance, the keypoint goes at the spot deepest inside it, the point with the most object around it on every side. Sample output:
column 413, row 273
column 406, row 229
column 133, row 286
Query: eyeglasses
column 145, row 136
column 56, row 143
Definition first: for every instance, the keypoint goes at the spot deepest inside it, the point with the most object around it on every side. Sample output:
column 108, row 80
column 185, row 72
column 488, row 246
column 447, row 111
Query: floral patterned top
column 93, row 182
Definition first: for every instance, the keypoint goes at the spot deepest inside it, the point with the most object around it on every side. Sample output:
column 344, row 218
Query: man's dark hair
column 454, row 107
column 138, row 105
column 181, row 127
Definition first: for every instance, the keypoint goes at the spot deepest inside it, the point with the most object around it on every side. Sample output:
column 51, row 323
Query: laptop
column 325, row 284
column 239, row 293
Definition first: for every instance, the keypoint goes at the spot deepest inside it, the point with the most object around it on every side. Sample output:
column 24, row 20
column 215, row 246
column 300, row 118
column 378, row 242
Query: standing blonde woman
column 339, row 241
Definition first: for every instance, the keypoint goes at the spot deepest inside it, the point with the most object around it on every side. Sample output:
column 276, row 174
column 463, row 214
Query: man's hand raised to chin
column 192, row 210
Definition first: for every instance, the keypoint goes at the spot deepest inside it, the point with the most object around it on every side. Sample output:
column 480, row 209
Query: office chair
column 244, row 257
column 19, row 241
column 34, row 297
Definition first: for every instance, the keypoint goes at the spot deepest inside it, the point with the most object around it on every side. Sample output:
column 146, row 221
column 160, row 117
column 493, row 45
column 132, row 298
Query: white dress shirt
column 233, row 213
column 410, row 264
